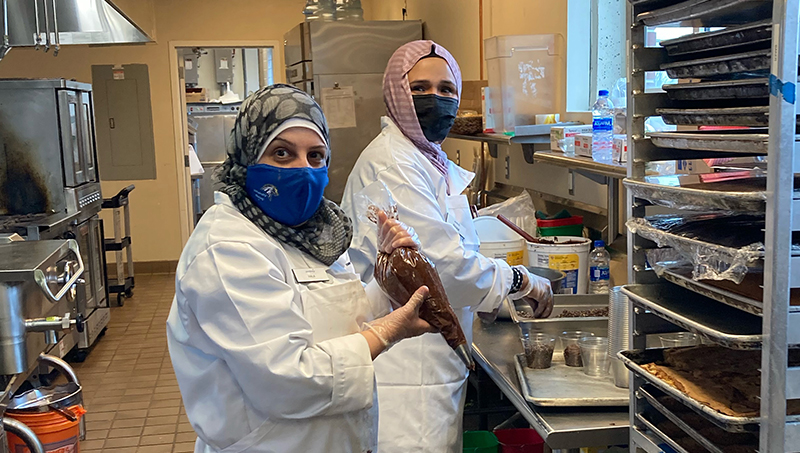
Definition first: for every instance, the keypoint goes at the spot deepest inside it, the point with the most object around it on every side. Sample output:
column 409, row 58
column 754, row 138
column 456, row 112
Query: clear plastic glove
column 403, row 322
column 536, row 292
column 393, row 234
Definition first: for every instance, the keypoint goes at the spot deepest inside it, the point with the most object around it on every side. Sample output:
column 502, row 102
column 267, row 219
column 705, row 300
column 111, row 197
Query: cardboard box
column 620, row 152
column 583, row 145
column 470, row 98
column 562, row 137
column 196, row 95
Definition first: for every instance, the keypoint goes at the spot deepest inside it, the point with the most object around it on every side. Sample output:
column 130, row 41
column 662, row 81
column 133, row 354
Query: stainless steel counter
column 494, row 346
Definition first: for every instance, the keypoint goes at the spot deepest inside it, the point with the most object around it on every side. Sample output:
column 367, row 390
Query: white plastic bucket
column 499, row 241
column 568, row 254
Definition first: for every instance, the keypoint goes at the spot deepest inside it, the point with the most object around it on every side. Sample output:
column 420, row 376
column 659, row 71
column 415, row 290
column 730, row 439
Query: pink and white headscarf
column 400, row 105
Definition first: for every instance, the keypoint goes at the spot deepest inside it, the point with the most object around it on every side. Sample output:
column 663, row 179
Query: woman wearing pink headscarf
column 421, row 382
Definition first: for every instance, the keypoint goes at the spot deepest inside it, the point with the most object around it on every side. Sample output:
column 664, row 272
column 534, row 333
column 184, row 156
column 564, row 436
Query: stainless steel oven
column 49, row 186
column 92, row 298
column 77, row 137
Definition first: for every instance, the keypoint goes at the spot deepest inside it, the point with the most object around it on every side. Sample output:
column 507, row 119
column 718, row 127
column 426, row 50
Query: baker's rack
column 780, row 322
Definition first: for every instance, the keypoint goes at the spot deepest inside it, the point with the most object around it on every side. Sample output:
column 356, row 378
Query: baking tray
column 663, row 437
column 561, row 302
column 707, row 318
column 722, row 291
column 642, row 392
column 754, row 62
column 652, row 394
column 719, row 90
column 721, row 11
column 734, row 116
column 633, row 359
column 754, row 33
column 743, row 142
column 564, row 386
column 738, row 195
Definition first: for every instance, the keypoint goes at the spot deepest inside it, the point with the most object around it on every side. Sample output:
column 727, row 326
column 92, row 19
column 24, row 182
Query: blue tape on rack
column 787, row 89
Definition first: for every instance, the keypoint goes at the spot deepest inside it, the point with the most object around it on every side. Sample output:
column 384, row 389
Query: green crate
column 566, row 230
column 480, row 442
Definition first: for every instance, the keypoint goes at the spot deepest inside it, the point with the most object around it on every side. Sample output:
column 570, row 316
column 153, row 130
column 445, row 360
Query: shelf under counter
column 494, row 346
column 616, row 171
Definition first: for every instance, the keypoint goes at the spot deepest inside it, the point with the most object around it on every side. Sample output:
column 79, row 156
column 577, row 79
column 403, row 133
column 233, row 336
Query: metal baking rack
column 770, row 51
column 746, row 196
column 634, row 360
column 713, row 321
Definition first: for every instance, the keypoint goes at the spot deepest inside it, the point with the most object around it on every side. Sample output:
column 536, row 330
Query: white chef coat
column 266, row 364
column 421, row 381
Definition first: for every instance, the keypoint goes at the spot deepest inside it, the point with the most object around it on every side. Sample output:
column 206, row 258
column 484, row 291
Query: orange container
column 56, row 432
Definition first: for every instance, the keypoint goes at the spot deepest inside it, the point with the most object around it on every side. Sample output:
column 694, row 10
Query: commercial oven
column 49, row 184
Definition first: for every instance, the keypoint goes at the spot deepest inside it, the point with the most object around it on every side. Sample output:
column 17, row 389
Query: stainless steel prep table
column 494, row 347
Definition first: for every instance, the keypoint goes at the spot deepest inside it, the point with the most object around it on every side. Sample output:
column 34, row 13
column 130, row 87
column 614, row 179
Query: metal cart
column 763, row 305
column 123, row 285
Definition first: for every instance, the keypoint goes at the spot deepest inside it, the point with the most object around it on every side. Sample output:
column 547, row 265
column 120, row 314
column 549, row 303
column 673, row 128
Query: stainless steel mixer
column 37, row 308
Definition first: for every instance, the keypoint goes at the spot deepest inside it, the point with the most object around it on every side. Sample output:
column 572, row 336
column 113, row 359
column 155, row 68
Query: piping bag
column 400, row 273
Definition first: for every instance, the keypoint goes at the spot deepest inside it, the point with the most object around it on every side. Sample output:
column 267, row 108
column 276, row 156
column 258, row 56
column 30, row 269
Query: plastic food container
column 480, row 442
column 525, row 77
column 679, row 339
column 539, row 349
column 594, row 353
column 568, row 254
column 571, row 348
column 498, row 241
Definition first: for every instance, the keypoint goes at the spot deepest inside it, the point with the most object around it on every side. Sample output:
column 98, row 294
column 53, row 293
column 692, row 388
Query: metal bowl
column 556, row 277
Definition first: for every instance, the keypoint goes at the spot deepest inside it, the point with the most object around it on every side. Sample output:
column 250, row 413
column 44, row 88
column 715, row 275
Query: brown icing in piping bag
column 401, row 273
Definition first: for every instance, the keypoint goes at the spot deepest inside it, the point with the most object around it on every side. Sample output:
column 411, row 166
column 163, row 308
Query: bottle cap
column 599, row 244
column 603, row 93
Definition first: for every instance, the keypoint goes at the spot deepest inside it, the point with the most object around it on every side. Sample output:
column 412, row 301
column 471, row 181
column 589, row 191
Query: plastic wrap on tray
column 695, row 198
column 719, row 246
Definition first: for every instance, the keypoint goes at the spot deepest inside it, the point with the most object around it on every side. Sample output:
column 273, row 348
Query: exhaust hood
column 52, row 23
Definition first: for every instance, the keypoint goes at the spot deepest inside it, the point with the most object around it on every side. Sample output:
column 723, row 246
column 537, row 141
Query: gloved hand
column 393, row 234
column 403, row 322
column 535, row 291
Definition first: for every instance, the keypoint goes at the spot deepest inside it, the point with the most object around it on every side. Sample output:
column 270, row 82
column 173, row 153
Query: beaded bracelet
column 516, row 284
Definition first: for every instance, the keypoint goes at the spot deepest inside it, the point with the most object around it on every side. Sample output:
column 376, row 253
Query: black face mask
column 436, row 115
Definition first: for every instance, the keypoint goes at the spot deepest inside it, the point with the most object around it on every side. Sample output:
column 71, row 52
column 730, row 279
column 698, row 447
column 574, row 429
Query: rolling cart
column 123, row 285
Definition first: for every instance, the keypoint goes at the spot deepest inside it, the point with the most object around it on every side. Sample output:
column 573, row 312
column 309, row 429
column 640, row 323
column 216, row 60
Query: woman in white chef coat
column 421, row 382
column 271, row 333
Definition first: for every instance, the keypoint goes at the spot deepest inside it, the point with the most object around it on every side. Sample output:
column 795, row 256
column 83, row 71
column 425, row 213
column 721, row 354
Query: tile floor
column 130, row 390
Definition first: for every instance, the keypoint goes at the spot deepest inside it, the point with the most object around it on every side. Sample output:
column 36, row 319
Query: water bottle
column 603, row 129
column 598, row 269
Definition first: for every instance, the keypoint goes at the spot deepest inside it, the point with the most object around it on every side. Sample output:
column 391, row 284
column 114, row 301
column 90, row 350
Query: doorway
column 209, row 82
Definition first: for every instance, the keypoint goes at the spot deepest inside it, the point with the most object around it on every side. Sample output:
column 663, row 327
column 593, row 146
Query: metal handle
column 46, row 27
column 22, row 431
column 42, row 280
column 51, row 323
column 63, row 366
column 55, row 29
column 38, row 25
column 6, row 40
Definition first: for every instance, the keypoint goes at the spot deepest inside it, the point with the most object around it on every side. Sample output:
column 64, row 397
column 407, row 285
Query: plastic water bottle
column 603, row 129
column 598, row 269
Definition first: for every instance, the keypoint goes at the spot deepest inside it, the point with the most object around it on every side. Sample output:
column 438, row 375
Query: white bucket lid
column 491, row 229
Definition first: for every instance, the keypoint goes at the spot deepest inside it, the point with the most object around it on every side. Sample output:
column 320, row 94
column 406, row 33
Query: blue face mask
column 289, row 195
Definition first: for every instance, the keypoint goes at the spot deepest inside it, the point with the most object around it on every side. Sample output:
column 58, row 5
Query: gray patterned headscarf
column 327, row 234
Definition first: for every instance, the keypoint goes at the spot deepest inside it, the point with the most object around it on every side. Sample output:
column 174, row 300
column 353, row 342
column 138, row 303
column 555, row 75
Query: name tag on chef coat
column 311, row 275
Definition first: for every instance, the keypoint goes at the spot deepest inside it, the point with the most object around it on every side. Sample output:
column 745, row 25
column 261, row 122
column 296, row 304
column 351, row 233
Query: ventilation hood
column 35, row 23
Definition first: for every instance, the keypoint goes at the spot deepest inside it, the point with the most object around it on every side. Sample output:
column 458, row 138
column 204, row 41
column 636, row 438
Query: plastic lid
column 599, row 244
column 603, row 93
